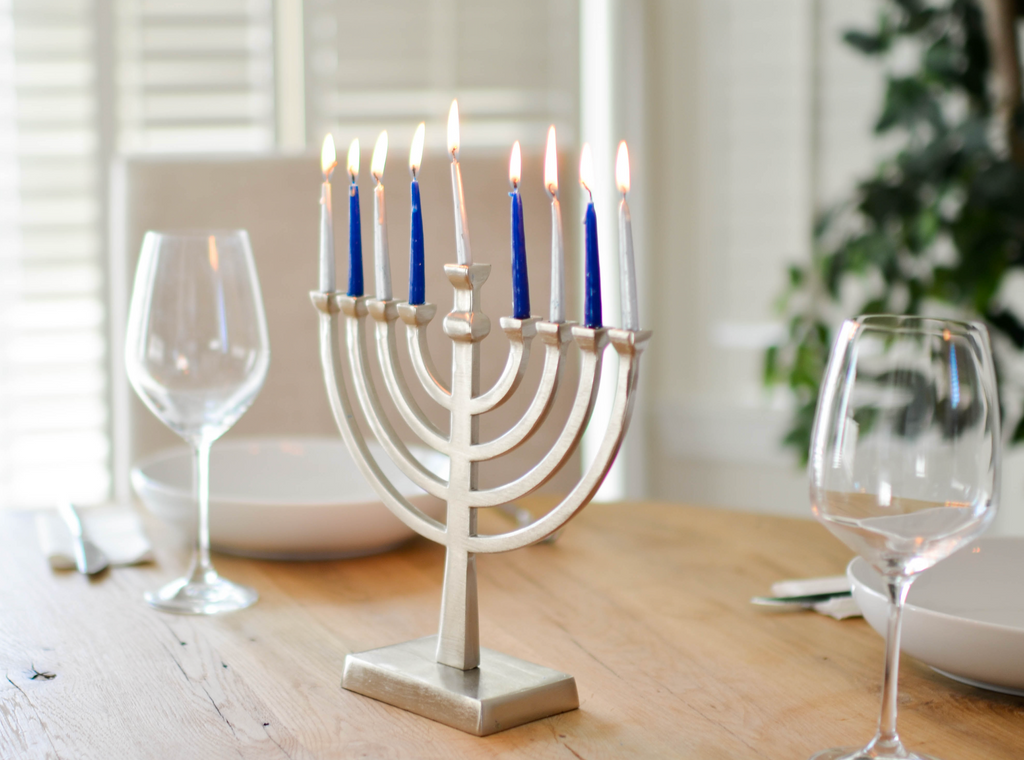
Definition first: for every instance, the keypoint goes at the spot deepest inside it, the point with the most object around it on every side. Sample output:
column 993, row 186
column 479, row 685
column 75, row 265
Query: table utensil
column 802, row 602
column 965, row 617
column 197, row 353
column 904, row 462
column 289, row 498
column 115, row 530
column 89, row 559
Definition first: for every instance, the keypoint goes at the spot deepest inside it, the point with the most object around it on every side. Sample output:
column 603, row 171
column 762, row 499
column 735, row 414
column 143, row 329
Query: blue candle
column 592, row 282
column 417, row 288
column 355, row 233
column 520, row 280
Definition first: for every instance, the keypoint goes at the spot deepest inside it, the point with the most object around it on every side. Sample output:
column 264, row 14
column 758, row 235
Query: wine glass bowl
column 197, row 354
column 904, row 460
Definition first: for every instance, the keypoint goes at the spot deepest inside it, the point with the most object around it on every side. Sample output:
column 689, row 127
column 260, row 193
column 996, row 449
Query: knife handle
column 70, row 516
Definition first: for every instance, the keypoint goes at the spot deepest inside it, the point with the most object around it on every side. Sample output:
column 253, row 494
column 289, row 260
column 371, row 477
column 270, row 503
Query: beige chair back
column 276, row 199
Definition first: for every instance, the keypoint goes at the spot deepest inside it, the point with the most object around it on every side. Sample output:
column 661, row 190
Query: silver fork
column 89, row 559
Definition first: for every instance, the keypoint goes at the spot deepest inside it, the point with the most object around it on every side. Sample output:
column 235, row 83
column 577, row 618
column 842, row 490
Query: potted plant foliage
column 938, row 228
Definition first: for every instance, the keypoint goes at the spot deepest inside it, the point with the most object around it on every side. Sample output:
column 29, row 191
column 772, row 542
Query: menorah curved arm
column 416, row 318
column 385, row 313
column 520, row 333
column 337, row 393
column 591, row 342
column 629, row 345
column 555, row 338
column 354, row 310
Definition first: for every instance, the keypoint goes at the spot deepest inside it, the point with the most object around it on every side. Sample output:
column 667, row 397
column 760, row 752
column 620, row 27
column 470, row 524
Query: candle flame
column 453, row 130
column 587, row 169
column 416, row 151
column 353, row 159
column 622, row 168
column 551, row 164
column 515, row 166
column 328, row 156
column 211, row 245
column 380, row 156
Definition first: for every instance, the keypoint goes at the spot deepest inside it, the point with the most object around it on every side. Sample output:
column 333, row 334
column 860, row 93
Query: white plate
column 964, row 617
column 286, row 498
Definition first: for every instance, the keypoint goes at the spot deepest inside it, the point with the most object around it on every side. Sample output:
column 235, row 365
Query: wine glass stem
column 202, row 568
column 898, row 589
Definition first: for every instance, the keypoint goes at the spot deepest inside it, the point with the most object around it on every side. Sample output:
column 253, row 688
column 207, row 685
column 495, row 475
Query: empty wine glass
column 904, row 462
column 197, row 353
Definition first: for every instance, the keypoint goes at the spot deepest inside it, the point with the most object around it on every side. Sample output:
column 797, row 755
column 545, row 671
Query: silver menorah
column 449, row 677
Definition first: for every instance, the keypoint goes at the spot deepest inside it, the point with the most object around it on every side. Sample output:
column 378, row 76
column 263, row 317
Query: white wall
column 760, row 114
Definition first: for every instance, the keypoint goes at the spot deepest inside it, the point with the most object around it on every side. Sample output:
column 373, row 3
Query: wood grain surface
column 645, row 604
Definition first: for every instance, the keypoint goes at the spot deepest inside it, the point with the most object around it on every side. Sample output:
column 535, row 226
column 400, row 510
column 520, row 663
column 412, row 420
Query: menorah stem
column 458, row 640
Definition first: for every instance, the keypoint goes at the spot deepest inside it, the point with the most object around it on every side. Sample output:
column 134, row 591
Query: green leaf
column 867, row 43
column 771, row 365
column 909, row 103
column 1018, row 432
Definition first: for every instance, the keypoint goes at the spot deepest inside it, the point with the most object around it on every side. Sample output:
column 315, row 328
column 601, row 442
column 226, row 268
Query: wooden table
column 645, row 604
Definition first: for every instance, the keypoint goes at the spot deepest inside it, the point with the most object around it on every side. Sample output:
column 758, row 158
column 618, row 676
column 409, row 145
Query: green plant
column 939, row 226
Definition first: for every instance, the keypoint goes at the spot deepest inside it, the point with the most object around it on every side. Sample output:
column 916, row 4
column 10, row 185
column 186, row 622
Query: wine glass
column 904, row 462
column 197, row 353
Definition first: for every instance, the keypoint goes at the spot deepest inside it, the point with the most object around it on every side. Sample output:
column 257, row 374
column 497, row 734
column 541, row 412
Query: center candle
column 417, row 288
column 355, row 232
column 381, row 257
column 592, row 262
column 465, row 255
column 520, row 279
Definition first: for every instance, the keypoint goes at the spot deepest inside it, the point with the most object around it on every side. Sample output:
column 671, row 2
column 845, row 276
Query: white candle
column 557, row 242
column 328, row 160
column 627, row 269
column 381, row 258
column 465, row 255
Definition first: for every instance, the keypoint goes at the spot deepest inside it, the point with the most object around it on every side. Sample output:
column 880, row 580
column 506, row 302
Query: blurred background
column 746, row 120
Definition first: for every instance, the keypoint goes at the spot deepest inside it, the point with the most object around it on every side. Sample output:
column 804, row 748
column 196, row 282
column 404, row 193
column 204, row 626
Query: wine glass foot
column 209, row 596
column 866, row 753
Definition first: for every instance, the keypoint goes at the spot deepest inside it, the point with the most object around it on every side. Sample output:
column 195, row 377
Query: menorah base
column 502, row 693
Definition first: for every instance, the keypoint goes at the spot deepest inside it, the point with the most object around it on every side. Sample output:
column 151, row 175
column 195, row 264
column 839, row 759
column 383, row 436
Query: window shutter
column 53, row 410
column 391, row 64
column 195, row 75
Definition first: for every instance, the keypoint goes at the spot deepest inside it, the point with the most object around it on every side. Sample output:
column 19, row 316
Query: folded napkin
column 116, row 530
column 840, row 607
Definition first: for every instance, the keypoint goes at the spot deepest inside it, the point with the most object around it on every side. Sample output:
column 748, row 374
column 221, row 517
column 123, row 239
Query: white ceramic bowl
column 285, row 498
column 964, row 617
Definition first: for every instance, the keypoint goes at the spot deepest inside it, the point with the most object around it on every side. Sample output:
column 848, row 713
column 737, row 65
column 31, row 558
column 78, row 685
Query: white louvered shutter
column 195, row 75
column 53, row 410
column 393, row 63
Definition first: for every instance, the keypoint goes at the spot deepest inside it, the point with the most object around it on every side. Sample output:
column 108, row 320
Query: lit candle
column 355, row 233
column 417, row 288
column 520, row 279
column 328, row 160
column 381, row 259
column 465, row 255
column 592, row 283
column 557, row 244
column 627, row 269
